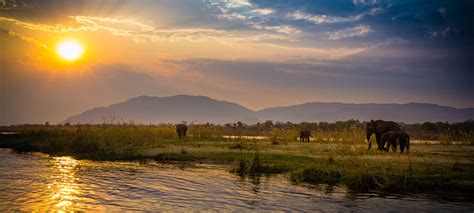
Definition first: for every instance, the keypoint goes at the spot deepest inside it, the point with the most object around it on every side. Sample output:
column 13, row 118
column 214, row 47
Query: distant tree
column 268, row 124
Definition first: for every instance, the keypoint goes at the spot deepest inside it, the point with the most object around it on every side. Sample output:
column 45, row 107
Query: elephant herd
column 386, row 132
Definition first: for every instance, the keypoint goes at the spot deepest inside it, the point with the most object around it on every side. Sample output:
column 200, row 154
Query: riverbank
column 67, row 184
column 428, row 168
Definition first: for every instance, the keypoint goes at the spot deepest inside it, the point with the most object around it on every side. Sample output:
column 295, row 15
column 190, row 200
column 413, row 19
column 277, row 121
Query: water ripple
column 43, row 183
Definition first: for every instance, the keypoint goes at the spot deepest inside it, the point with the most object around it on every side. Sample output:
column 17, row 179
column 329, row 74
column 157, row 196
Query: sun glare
column 69, row 50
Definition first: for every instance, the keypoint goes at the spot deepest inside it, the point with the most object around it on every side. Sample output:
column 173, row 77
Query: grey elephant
column 378, row 127
column 181, row 130
column 304, row 135
column 392, row 137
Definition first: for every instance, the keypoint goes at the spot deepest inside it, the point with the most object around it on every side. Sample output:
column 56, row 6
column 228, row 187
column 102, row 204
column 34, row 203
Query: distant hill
column 175, row 109
column 200, row 109
column 408, row 113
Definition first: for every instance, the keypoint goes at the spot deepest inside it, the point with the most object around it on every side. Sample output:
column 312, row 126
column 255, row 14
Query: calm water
column 40, row 182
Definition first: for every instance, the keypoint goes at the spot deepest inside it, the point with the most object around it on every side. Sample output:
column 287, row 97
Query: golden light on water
column 64, row 186
column 70, row 49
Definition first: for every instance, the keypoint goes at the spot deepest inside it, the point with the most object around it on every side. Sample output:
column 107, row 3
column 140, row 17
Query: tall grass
column 205, row 132
column 104, row 140
column 344, row 161
column 280, row 135
column 350, row 131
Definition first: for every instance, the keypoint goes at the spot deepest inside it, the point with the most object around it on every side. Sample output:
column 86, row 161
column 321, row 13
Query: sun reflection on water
column 64, row 188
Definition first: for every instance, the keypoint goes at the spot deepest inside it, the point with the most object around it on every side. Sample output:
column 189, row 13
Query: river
column 44, row 183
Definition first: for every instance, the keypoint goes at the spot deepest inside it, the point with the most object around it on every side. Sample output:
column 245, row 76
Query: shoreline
column 428, row 168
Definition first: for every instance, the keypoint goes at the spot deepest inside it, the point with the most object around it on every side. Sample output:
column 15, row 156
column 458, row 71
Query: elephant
column 304, row 135
column 378, row 127
column 181, row 130
column 392, row 137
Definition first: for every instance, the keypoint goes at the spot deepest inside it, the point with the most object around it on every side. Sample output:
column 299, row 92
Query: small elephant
column 391, row 139
column 378, row 127
column 304, row 135
column 181, row 130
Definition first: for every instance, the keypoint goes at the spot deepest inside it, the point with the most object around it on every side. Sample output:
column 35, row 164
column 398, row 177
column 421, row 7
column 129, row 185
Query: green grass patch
column 342, row 162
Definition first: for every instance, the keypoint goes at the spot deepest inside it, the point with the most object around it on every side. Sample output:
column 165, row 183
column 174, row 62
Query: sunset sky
column 255, row 53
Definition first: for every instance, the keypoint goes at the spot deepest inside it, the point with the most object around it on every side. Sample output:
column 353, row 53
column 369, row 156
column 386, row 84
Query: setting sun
column 70, row 50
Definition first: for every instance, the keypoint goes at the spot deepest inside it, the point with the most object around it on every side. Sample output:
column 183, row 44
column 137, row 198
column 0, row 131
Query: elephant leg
column 402, row 146
column 408, row 145
column 378, row 138
column 381, row 145
column 369, row 145
column 388, row 146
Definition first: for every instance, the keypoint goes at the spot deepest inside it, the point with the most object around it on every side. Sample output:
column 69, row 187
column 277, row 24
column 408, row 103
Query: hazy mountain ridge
column 408, row 113
column 201, row 109
column 174, row 109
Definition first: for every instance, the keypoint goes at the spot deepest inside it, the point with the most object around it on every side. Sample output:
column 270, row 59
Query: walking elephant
column 181, row 130
column 304, row 135
column 392, row 137
column 378, row 127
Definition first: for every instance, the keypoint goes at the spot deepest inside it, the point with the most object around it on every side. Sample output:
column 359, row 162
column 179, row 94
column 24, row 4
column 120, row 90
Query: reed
column 344, row 161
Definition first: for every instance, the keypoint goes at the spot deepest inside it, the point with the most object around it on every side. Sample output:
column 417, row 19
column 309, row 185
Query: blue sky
column 254, row 52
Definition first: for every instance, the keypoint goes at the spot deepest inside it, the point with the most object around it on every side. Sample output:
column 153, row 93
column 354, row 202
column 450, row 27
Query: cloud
column 264, row 11
column 236, row 3
column 442, row 32
column 259, row 43
column 350, row 79
column 328, row 19
column 286, row 29
column 140, row 31
column 443, row 12
column 239, row 10
column 57, row 28
column 26, row 39
column 358, row 31
column 357, row 2
column 13, row 4
column 233, row 16
column 119, row 26
column 30, row 95
column 250, row 15
column 322, row 19
column 389, row 41
column 376, row 11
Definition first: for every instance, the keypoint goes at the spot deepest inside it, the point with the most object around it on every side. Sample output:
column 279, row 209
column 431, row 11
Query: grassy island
column 345, row 161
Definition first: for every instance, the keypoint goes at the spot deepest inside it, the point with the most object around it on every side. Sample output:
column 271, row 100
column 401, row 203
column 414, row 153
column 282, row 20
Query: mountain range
column 201, row 109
